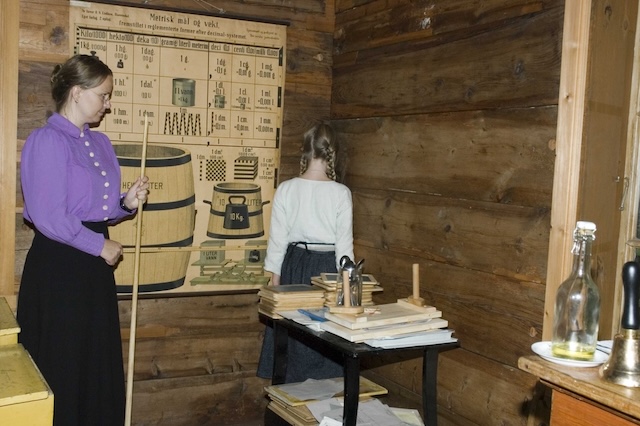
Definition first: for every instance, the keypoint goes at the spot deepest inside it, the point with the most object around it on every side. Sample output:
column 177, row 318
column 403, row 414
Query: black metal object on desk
column 351, row 353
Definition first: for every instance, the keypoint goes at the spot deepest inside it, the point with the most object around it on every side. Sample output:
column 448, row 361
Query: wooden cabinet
column 569, row 409
column 581, row 398
column 25, row 397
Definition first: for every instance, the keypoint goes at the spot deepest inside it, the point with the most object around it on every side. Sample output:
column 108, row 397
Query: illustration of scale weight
column 236, row 211
column 218, row 268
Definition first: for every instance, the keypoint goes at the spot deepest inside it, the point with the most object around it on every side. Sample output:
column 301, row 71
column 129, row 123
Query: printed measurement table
column 193, row 91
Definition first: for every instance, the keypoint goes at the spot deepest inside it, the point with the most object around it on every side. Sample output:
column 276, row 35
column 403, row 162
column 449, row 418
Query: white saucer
column 544, row 350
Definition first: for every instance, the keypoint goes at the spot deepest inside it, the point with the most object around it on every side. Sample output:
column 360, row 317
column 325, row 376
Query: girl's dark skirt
column 68, row 317
column 304, row 362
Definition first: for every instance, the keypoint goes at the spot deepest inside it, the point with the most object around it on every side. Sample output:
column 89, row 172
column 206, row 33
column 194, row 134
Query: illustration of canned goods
column 184, row 92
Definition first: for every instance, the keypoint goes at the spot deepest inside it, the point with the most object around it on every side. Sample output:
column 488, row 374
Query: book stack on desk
column 293, row 409
column 289, row 297
column 419, row 338
column 385, row 321
column 329, row 282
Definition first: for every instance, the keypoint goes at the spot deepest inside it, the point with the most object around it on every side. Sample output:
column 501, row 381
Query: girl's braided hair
column 321, row 142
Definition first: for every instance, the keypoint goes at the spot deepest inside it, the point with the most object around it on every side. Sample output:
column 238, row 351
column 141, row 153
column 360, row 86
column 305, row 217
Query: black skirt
column 304, row 362
column 68, row 317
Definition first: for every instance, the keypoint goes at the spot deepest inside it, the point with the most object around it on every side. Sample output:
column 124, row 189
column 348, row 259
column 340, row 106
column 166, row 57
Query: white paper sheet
column 313, row 389
column 420, row 338
column 301, row 318
column 371, row 412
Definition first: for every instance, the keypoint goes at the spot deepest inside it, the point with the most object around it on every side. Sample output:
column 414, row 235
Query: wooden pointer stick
column 136, row 279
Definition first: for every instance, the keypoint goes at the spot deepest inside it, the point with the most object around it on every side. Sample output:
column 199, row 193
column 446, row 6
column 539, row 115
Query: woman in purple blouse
column 67, row 304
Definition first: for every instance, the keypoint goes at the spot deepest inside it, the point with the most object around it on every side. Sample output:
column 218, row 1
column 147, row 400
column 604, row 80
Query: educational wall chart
column 210, row 91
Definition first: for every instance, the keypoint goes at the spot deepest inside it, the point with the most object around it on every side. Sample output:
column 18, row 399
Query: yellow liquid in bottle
column 573, row 350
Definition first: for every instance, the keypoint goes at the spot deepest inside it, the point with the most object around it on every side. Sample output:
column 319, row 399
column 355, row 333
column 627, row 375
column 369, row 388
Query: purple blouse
column 69, row 176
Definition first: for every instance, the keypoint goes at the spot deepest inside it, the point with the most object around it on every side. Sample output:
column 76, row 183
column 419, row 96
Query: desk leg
column 430, row 386
column 351, row 390
column 280, row 354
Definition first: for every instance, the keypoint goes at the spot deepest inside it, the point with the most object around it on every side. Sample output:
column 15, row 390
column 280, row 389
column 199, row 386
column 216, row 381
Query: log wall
column 449, row 112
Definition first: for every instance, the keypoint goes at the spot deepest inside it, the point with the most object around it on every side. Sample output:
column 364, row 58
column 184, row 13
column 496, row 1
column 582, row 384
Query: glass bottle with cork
column 577, row 307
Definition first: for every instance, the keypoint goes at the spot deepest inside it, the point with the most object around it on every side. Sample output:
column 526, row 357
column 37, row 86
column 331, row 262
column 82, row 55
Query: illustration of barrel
column 236, row 211
column 168, row 218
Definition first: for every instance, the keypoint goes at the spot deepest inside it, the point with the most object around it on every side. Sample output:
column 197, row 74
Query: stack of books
column 384, row 321
column 274, row 298
column 286, row 404
column 419, row 338
column 329, row 282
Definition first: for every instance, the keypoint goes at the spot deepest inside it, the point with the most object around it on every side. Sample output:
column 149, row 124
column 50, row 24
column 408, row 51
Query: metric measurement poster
column 209, row 91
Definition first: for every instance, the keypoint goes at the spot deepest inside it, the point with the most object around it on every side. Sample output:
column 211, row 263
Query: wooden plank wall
column 196, row 356
column 449, row 112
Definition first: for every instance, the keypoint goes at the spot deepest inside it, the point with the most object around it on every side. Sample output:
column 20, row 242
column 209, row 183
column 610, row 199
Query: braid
column 320, row 142
column 331, row 163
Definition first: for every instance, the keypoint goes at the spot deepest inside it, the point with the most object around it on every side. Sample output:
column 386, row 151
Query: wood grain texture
column 490, row 393
column 584, row 383
column 377, row 24
column 473, row 155
column 35, row 104
column 517, row 65
column 201, row 400
column 449, row 110
column 604, row 147
column 498, row 318
column 307, row 59
column 592, row 130
column 289, row 10
column 196, row 359
column 506, row 239
column 568, row 411
column 44, row 30
column 8, row 123
column 487, row 394
column 567, row 174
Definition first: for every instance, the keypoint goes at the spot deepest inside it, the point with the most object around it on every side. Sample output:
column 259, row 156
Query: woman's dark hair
column 322, row 142
column 84, row 71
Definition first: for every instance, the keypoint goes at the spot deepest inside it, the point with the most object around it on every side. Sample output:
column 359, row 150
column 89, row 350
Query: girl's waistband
column 314, row 246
